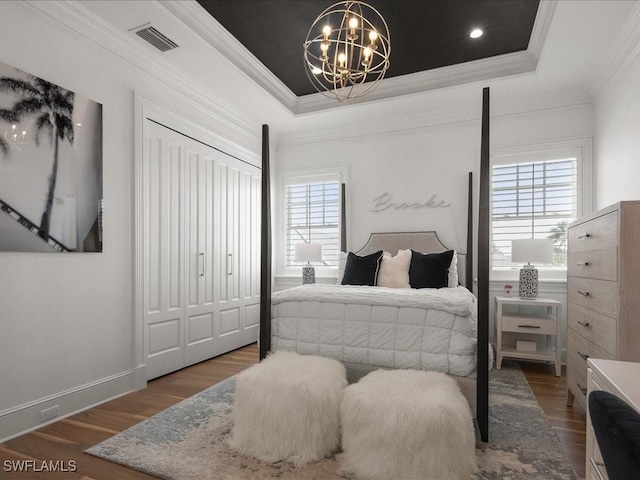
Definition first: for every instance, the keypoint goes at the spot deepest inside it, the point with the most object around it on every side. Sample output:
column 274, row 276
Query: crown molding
column 78, row 22
column 624, row 49
column 478, row 70
column 537, row 103
column 195, row 17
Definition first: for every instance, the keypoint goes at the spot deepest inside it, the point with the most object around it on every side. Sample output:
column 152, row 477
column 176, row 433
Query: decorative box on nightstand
column 545, row 321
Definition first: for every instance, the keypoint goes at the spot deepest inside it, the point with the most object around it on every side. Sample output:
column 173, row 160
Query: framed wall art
column 50, row 166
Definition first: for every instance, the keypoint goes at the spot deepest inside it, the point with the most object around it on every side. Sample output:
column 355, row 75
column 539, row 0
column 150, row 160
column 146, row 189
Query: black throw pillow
column 430, row 270
column 362, row 270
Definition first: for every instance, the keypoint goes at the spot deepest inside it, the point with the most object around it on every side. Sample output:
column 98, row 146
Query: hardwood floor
column 64, row 441
column 569, row 423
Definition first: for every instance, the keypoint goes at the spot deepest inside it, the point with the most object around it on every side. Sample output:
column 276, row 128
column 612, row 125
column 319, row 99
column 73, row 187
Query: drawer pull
column 528, row 326
column 596, row 467
column 585, row 293
column 585, row 235
column 582, row 389
column 584, row 324
column 583, row 264
column 583, row 355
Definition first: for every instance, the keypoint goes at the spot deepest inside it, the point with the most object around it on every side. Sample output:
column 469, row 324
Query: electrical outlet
column 49, row 413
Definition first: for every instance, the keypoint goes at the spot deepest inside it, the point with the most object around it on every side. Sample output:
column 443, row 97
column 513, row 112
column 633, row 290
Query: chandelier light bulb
column 353, row 23
column 373, row 35
column 342, row 58
column 367, row 53
column 326, row 30
column 324, row 46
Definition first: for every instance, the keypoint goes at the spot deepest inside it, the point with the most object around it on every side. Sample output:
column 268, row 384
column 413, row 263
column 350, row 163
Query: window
column 311, row 204
column 534, row 195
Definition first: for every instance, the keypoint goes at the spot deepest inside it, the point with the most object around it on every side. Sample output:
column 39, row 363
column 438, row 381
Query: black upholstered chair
column 617, row 428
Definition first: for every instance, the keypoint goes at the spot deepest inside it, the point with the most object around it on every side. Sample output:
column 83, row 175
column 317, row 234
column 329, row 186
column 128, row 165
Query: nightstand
column 545, row 320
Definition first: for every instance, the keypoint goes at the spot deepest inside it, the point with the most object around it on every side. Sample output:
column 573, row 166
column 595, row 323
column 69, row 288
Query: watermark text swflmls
column 40, row 466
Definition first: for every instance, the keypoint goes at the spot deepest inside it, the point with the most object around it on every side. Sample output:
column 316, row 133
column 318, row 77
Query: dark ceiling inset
column 424, row 34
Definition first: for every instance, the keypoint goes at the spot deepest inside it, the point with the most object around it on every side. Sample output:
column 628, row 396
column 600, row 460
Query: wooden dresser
column 603, row 290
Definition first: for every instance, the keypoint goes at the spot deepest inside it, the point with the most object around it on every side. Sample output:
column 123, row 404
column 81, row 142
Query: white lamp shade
column 532, row 250
column 308, row 252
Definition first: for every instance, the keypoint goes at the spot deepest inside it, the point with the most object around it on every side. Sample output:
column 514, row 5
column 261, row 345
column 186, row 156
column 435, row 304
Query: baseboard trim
column 24, row 418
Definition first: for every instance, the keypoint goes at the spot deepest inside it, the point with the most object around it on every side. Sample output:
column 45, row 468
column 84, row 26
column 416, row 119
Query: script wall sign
column 385, row 202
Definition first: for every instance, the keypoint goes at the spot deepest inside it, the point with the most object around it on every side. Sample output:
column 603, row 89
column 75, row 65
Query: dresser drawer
column 602, row 263
column 601, row 232
column 580, row 348
column 577, row 379
column 528, row 324
column 593, row 327
column 597, row 295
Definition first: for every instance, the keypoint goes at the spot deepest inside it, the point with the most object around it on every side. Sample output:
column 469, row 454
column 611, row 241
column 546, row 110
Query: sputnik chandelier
column 347, row 49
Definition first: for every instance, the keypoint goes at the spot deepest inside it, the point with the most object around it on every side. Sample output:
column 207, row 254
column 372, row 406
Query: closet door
column 164, row 256
column 201, row 311
column 250, row 214
column 227, row 202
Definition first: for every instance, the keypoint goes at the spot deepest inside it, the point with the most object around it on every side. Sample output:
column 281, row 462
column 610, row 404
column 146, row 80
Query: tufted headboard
column 423, row 242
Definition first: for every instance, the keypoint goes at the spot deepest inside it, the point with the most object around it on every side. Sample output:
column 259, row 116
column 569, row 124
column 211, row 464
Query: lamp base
column 308, row 275
column 528, row 285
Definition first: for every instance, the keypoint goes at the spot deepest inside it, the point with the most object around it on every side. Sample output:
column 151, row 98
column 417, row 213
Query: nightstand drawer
column 598, row 295
column 526, row 324
column 602, row 263
column 601, row 232
column 592, row 326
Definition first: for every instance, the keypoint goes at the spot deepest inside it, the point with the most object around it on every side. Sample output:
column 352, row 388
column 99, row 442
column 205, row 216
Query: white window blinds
column 533, row 200
column 312, row 215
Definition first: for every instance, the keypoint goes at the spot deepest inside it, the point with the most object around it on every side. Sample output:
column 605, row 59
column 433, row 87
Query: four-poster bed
column 419, row 242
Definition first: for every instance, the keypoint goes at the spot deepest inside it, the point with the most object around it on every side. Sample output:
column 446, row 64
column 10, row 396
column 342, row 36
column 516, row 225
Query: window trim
column 582, row 149
column 284, row 178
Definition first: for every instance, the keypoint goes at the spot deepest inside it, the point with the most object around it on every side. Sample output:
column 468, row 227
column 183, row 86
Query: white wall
column 66, row 320
column 617, row 142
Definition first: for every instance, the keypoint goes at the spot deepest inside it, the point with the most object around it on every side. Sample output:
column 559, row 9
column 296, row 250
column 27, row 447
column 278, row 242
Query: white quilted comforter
column 428, row 329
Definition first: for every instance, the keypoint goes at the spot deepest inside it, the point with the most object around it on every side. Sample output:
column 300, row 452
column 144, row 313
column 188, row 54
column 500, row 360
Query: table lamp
column 527, row 251
column 308, row 252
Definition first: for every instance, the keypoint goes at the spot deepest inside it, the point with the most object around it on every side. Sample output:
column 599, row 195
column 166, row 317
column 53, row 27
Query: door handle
column 230, row 264
column 583, row 264
column 585, row 235
column 584, row 324
column 202, row 264
column 582, row 389
column 584, row 356
column 584, row 293
column 528, row 326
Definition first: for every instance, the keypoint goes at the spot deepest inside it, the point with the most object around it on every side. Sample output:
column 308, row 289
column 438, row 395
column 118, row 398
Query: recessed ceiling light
column 476, row 33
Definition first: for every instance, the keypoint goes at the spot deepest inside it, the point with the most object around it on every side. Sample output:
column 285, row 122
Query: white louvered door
column 202, row 251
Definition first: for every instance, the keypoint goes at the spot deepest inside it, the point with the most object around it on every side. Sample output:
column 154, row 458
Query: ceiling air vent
column 155, row 38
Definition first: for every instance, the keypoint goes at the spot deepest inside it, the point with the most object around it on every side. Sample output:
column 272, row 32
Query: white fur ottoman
column 407, row 424
column 288, row 408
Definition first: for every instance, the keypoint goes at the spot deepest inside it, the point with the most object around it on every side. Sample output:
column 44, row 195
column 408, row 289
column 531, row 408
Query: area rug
column 188, row 440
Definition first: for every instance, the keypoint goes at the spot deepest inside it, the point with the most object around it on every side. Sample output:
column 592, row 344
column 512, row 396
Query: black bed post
column 468, row 268
column 265, row 250
column 483, row 275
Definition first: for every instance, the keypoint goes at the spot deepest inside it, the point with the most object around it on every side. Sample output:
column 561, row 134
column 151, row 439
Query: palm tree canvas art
column 50, row 166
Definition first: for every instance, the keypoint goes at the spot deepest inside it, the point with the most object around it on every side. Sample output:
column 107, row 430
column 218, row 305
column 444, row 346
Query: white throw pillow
column 342, row 262
column 453, row 271
column 394, row 271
